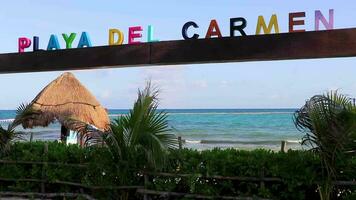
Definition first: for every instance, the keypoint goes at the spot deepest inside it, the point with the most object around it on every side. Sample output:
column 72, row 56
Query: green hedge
column 299, row 170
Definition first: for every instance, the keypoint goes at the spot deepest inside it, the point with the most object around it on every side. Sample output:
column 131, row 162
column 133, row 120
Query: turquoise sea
column 208, row 128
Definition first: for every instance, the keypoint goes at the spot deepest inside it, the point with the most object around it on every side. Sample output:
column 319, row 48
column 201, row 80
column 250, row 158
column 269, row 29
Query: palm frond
column 329, row 124
column 144, row 128
column 23, row 113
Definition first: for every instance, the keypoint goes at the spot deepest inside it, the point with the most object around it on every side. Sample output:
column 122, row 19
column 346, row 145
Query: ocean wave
column 116, row 115
column 6, row 120
column 261, row 142
column 217, row 113
column 193, row 141
column 293, row 141
column 231, row 113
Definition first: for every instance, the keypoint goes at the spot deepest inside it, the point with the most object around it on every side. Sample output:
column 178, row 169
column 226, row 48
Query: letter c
column 185, row 29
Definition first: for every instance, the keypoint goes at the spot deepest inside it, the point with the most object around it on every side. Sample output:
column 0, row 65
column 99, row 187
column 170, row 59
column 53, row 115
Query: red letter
column 133, row 34
column 293, row 22
column 24, row 43
column 213, row 30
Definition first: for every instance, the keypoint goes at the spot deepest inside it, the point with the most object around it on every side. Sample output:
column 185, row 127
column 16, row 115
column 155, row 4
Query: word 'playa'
column 116, row 37
column 53, row 43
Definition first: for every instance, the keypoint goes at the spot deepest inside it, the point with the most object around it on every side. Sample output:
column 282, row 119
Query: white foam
column 7, row 120
column 116, row 115
column 193, row 141
column 293, row 141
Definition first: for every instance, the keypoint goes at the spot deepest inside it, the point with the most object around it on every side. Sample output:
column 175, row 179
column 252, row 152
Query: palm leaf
column 7, row 135
column 144, row 128
column 329, row 124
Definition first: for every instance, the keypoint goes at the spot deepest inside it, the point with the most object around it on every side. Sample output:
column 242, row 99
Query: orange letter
column 213, row 30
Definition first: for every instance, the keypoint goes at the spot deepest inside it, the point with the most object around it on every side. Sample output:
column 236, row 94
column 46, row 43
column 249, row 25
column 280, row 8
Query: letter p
column 23, row 44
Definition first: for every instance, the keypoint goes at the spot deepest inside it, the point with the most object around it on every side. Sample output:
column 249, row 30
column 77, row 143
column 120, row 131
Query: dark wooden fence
column 140, row 189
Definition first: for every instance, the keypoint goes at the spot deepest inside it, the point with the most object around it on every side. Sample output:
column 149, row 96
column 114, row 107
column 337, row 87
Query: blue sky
column 276, row 84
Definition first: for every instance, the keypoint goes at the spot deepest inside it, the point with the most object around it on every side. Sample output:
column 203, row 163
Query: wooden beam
column 307, row 45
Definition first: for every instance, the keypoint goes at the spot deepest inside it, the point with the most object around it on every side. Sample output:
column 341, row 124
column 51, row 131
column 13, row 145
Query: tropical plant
column 143, row 129
column 329, row 124
column 23, row 112
column 143, row 134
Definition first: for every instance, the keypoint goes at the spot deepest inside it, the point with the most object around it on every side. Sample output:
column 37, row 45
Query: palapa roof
column 65, row 98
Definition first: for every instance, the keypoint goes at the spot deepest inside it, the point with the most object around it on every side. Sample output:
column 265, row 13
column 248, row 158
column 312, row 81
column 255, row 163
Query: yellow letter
column 262, row 24
column 120, row 35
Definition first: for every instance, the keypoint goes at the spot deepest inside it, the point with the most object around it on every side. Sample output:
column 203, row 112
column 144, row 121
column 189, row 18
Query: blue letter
column 36, row 43
column 53, row 43
column 150, row 34
column 84, row 40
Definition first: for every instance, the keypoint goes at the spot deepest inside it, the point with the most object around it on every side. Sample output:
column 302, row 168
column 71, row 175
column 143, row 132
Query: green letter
column 69, row 40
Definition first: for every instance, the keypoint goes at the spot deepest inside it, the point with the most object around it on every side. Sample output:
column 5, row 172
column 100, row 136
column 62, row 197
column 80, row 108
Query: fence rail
column 42, row 163
column 195, row 196
column 140, row 189
column 45, row 195
column 233, row 178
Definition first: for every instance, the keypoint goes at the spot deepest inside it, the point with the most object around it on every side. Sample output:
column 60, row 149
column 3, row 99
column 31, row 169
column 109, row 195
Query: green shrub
column 298, row 170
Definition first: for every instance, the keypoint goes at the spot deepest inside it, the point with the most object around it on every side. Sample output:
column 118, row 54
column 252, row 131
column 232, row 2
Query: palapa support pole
column 64, row 134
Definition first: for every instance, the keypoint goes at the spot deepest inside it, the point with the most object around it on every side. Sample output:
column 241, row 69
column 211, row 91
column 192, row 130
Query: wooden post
column 262, row 175
column 180, row 142
column 146, row 182
column 283, row 146
column 31, row 137
column 44, row 167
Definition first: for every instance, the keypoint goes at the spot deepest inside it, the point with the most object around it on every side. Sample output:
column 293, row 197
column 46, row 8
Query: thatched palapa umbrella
column 65, row 98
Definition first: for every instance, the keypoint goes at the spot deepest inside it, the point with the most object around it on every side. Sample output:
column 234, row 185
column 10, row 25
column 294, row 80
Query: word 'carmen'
column 238, row 24
column 116, row 37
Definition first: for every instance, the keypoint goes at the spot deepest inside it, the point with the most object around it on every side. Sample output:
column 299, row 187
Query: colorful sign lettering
column 264, row 25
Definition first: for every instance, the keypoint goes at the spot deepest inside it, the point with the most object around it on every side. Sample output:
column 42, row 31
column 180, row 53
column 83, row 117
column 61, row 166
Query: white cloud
column 224, row 83
column 200, row 84
column 106, row 94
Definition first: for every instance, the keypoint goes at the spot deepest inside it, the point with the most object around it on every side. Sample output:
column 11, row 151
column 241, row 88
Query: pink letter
column 320, row 17
column 24, row 43
column 133, row 34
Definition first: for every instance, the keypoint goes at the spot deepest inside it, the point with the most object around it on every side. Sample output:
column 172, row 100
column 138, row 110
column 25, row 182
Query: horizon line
column 188, row 108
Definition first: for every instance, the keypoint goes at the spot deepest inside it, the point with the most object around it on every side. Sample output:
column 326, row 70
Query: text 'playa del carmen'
column 238, row 25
